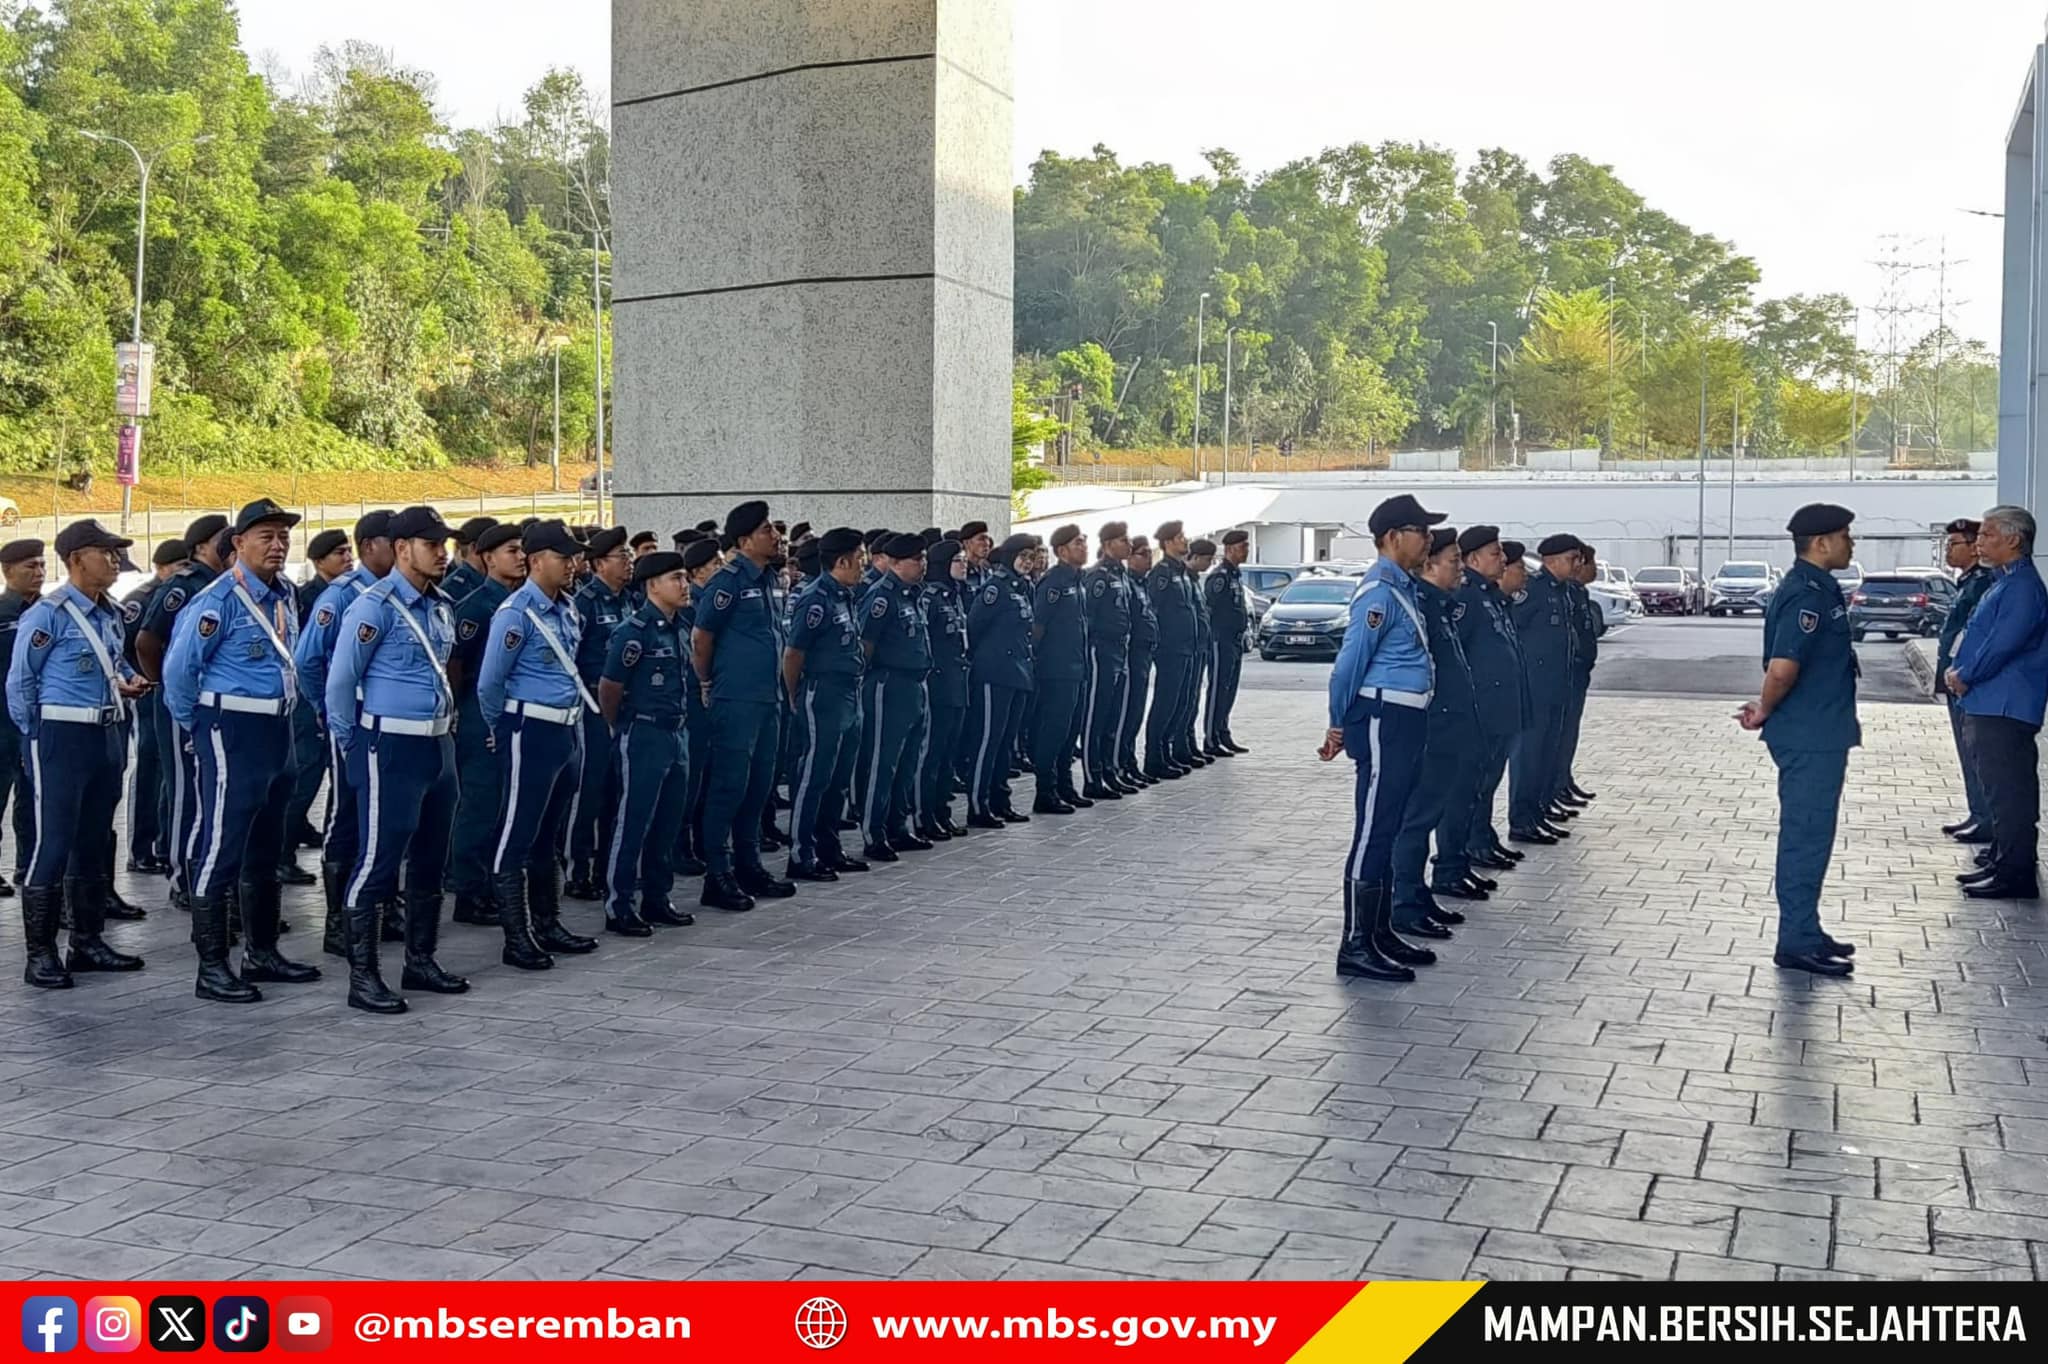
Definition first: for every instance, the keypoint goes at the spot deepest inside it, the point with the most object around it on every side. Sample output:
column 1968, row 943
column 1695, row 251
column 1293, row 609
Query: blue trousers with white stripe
column 246, row 772
column 1386, row 741
column 73, row 773
column 652, row 769
column 539, row 762
column 891, row 721
column 828, row 726
column 404, row 787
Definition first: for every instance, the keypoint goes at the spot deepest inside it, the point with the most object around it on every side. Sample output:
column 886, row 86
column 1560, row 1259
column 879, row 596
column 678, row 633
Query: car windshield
column 1758, row 571
column 1655, row 576
column 1319, row 591
column 1893, row 587
column 1851, row 573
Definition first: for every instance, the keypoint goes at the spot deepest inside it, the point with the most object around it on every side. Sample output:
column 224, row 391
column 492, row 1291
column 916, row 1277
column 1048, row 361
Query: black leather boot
column 118, row 907
column 1389, row 944
column 334, row 889
column 722, row 892
column 39, row 907
column 217, row 980
column 764, row 884
column 475, row 909
column 261, row 961
column 1356, row 954
column 544, row 903
column 422, row 933
column 89, row 951
column 509, row 890
column 391, row 914
column 366, row 988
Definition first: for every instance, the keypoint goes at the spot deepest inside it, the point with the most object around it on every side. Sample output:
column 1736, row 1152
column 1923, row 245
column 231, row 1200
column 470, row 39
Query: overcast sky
column 1802, row 130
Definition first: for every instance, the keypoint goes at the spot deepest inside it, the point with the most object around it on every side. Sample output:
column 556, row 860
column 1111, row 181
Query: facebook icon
column 49, row 1326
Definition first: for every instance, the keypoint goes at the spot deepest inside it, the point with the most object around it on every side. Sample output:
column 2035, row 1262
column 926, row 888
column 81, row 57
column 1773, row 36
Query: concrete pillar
column 812, row 258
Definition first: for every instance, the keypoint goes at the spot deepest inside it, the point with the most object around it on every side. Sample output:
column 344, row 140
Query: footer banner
column 761, row 1323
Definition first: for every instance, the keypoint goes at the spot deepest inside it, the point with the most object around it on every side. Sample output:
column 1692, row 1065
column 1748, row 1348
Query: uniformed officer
column 737, row 646
column 976, row 545
column 642, row 689
column 467, row 573
column 533, row 700
column 24, row 567
column 1173, row 657
column 1486, row 835
column 1807, row 714
column 480, row 788
column 1106, row 593
column 999, row 628
column 1059, row 623
column 601, row 603
column 1543, row 624
column 68, row 689
column 209, row 545
column 1962, row 556
column 341, row 839
column 1569, row 798
column 148, row 840
column 897, row 644
column 1486, row 631
column 230, row 684
column 946, row 601
column 1229, row 619
column 1201, row 558
column 701, row 563
column 821, row 668
column 1451, row 751
column 330, row 556
column 394, row 644
column 1380, row 693
column 1138, row 665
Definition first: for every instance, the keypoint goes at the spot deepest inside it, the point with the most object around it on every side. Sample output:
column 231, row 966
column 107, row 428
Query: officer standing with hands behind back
column 642, row 691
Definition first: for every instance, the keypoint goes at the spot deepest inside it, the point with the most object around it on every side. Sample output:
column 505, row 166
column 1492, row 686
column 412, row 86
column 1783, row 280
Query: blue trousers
column 1137, row 683
column 1386, row 742
column 1102, row 706
column 1175, row 679
column 934, row 762
column 744, row 736
column 310, row 748
column 180, row 798
column 146, row 833
column 479, row 796
column 892, row 724
column 653, row 770
column 1568, row 735
column 590, row 813
column 996, row 713
column 689, row 833
column 14, row 774
column 1809, row 803
column 1226, row 668
column 73, row 777
column 1448, row 761
column 538, row 763
column 404, row 787
column 1051, row 761
column 245, row 774
column 1533, row 766
column 1973, row 784
column 1484, row 834
column 341, row 838
column 828, row 726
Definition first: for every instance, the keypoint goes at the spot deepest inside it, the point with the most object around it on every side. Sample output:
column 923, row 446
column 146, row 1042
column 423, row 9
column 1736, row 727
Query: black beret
column 939, row 558
column 1400, row 511
column 1198, row 548
column 799, row 530
column 905, row 546
column 1168, row 530
column 655, row 564
column 171, row 552
column 698, row 553
column 645, row 537
column 877, row 540
column 1065, row 535
column 374, row 525
column 690, row 536
column 971, row 529
column 1564, row 542
column 1515, row 550
column 87, row 534
column 550, row 535
column 1112, row 530
column 1477, row 538
column 1140, row 545
column 1236, row 537
column 605, row 541
column 419, row 523
column 472, row 530
column 325, row 543
column 224, row 543
column 1441, row 539
column 261, row 512
column 807, row 557
column 1819, row 518
column 1008, row 550
column 1963, row 525
column 17, row 551
column 707, row 527
column 727, row 544
column 837, row 543
column 528, row 522
column 204, row 529
column 499, row 533
column 745, row 519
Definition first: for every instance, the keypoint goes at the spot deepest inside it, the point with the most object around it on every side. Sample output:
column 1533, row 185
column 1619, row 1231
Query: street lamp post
column 1700, row 536
column 1228, row 333
column 143, row 166
column 1493, row 395
column 1609, row 450
column 1201, row 317
column 555, row 455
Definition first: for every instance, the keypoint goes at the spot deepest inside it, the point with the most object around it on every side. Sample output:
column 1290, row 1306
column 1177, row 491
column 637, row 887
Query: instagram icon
column 113, row 1325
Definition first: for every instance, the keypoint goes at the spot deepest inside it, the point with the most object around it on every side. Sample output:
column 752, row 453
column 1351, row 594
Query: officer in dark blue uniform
column 1173, row 657
column 1543, row 624
column 893, row 712
column 329, row 554
column 1450, row 753
column 394, row 644
column 209, row 547
column 1059, row 621
column 532, row 698
column 821, row 668
column 1138, row 665
column 479, row 789
column 1486, row 632
column 1106, row 592
column 1201, row 557
column 24, row 565
column 230, row 684
column 148, row 839
column 1568, row 798
column 737, row 646
column 1229, row 619
column 642, row 690
column 1975, row 825
column 467, row 573
column 976, row 544
column 701, row 562
column 1807, row 713
column 945, row 610
column 68, row 691
column 1000, row 677
column 602, row 603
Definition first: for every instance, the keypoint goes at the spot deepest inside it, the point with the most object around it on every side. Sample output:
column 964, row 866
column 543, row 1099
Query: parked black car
column 1900, row 604
column 1309, row 619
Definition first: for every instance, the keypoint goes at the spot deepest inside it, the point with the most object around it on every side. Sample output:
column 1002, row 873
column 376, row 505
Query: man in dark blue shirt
column 999, row 624
column 946, row 601
column 1060, row 653
column 821, row 668
column 1544, row 624
column 1173, row 601
column 1229, row 618
column 479, row 789
column 893, row 718
column 642, row 690
column 1137, row 666
column 1486, row 631
column 1108, row 592
column 1975, row 825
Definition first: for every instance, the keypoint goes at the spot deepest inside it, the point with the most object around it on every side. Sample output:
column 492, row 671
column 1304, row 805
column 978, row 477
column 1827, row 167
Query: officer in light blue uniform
column 603, row 600
column 67, row 694
column 1380, row 690
column 210, row 545
column 945, row 612
column 1807, row 713
column 822, row 668
column 737, row 643
column 529, row 693
column 341, row 839
column 479, row 787
column 893, row 707
column 999, row 624
column 230, row 684
column 641, row 688
column 395, row 642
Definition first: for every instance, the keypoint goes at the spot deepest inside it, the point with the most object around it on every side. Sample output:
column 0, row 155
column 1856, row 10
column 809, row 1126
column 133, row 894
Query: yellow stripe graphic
column 1384, row 1323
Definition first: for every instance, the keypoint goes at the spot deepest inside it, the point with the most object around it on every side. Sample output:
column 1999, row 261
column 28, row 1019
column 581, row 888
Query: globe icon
column 821, row 1323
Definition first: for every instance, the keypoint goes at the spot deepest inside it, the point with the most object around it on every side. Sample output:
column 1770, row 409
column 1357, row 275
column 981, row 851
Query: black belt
column 667, row 722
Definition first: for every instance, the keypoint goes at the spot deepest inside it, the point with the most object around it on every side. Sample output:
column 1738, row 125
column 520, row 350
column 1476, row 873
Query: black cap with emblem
column 1562, row 543
column 1476, row 538
column 1820, row 518
column 606, row 541
column 698, row 553
column 325, row 543
column 550, row 536
column 87, row 534
column 472, row 530
column 373, row 525
column 745, row 519
column 1400, row 511
column 204, row 530
column 656, row 563
column 1112, row 530
column 171, row 552
column 1065, row 535
column 263, row 512
column 971, row 529
column 419, row 523
column 20, row 551
column 641, row 540
column 492, row 536
column 1514, row 550
column 1441, row 538
column 909, row 545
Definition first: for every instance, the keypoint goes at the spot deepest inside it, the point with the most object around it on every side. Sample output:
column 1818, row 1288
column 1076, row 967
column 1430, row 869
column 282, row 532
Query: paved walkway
column 1116, row 1047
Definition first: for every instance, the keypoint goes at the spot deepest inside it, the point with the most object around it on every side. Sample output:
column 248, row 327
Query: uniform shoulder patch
column 1809, row 621
column 131, row 612
column 39, row 639
column 467, row 629
column 512, row 640
column 630, row 655
column 324, row 616
column 815, row 617
column 880, row 608
column 174, row 599
column 367, row 633
column 1375, row 616
column 721, row 599
column 990, row 593
column 209, row 622
column 1458, row 611
column 1101, row 586
column 1520, row 597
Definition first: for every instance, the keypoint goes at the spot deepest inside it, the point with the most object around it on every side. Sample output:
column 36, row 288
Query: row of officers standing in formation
column 541, row 701
column 1460, row 665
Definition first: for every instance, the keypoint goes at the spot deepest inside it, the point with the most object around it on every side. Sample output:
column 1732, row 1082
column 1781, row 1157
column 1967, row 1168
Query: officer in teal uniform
column 946, row 600
column 1975, row 825
column 893, row 716
column 1059, row 623
column 1569, row 798
column 821, row 668
column 479, row 791
column 641, row 690
column 1450, row 755
column 602, row 602
column 999, row 627
column 1807, row 713
column 1543, row 617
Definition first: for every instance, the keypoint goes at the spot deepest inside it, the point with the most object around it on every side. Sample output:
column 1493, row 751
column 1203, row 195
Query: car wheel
column 1268, row 655
column 1856, row 636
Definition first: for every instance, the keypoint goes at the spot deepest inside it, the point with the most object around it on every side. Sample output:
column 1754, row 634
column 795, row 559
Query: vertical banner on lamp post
column 128, row 456
column 134, row 378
